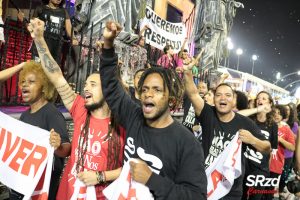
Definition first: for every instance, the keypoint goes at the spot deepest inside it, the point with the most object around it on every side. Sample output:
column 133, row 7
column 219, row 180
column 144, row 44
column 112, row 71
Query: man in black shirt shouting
column 171, row 159
column 219, row 126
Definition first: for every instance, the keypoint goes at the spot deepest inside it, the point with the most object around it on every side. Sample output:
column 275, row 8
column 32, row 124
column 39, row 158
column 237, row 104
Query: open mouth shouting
column 148, row 107
column 25, row 93
column 87, row 96
column 222, row 104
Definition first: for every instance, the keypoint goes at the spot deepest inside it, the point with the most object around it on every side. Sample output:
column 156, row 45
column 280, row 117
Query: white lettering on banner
column 261, row 180
column 161, row 32
column 25, row 152
column 129, row 150
column 163, row 24
column 222, row 172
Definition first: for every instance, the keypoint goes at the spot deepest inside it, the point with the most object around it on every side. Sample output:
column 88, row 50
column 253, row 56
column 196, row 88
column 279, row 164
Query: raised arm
column 190, row 87
column 9, row 72
column 251, row 111
column 119, row 102
column 183, row 45
column 51, row 68
column 141, row 33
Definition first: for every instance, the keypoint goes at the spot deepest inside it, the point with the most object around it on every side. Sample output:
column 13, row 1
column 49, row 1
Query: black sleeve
column 255, row 130
column 189, row 185
column 37, row 12
column 57, row 121
column 119, row 102
column 274, row 136
column 206, row 120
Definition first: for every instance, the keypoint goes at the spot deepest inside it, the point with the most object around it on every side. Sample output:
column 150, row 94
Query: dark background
column 267, row 28
column 271, row 30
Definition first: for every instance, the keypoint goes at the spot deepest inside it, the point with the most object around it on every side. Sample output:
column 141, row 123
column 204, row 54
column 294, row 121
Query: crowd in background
column 268, row 130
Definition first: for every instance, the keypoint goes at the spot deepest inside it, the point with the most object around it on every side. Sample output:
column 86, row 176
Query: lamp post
column 254, row 58
column 239, row 52
column 278, row 76
column 291, row 84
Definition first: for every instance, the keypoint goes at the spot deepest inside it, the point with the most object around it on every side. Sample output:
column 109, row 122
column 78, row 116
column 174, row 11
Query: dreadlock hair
column 270, row 115
column 113, row 138
column 171, row 81
column 82, row 143
column 114, row 143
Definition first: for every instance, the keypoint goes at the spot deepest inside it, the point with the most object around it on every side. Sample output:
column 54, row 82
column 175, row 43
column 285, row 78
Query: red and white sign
column 24, row 154
column 124, row 188
column 225, row 168
column 83, row 192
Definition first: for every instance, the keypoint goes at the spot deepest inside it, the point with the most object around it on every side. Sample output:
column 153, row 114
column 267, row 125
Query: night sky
column 271, row 30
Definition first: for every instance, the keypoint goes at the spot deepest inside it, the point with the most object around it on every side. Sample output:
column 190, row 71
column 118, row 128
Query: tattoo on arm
column 40, row 47
column 50, row 63
column 66, row 93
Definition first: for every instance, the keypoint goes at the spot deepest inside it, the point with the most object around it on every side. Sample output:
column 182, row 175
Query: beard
column 159, row 113
column 95, row 106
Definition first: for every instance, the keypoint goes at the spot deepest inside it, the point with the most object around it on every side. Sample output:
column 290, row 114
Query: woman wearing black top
column 258, row 163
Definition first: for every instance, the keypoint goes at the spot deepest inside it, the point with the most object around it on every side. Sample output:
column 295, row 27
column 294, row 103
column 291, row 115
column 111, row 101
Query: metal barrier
column 77, row 61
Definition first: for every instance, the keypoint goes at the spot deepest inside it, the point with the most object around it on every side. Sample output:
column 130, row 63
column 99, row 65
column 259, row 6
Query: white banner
column 224, row 169
column 81, row 191
column 161, row 32
column 24, row 153
column 126, row 188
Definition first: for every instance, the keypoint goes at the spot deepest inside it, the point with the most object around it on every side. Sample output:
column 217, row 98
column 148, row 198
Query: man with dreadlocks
column 170, row 158
column 97, row 145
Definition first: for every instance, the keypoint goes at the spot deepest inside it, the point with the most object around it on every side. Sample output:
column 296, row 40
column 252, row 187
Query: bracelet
column 100, row 177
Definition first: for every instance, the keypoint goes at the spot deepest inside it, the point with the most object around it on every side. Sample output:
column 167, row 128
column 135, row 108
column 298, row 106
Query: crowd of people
column 136, row 122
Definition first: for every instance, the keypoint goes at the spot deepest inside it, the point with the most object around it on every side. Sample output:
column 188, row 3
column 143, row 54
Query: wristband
column 100, row 177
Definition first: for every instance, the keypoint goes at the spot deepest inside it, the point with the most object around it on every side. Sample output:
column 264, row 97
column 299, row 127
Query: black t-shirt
column 258, row 163
column 172, row 152
column 189, row 119
column 55, row 20
column 49, row 117
column 216, row 135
